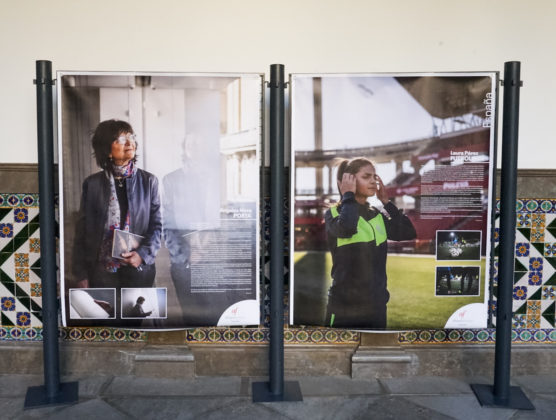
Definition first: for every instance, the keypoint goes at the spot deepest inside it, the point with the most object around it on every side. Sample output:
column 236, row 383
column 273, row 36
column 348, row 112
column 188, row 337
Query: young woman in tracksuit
column 357, row 239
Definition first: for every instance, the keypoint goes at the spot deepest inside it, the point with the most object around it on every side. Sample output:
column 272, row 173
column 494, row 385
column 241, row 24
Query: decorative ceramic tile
column 446, row 336
column 21, row 304
column 549, row 292
column 535, row 264
column 519, row 321
column 8, row 303
column 35, row 245
column 36, row 290
column 21, row 334
column 317, row 336
column 227, row 335
column 300, row 336
column 486, row 336
column 523, row 220
column 102, row 334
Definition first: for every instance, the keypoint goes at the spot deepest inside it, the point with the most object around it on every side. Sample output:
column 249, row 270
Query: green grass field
column 411, row 283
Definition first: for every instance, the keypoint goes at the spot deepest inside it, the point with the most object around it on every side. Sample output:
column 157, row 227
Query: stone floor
column 340, row 397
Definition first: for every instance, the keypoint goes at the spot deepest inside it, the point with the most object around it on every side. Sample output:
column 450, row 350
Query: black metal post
column 52, row 392
column 277, row 230
column 507, row 224
column 276, row 389
column 501, row 394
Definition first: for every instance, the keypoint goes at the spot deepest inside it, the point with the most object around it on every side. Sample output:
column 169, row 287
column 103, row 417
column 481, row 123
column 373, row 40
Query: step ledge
column 165, row 354
column 377, row 356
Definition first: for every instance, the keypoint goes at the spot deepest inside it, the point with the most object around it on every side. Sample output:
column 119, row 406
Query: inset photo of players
column 458, row 245
column 458, row 281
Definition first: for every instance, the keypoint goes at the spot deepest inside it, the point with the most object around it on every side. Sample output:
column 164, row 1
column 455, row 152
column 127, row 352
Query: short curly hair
column 104, row 135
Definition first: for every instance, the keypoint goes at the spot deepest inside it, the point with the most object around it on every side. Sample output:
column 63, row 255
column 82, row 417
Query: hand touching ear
column 348, row 183
column 381, row 193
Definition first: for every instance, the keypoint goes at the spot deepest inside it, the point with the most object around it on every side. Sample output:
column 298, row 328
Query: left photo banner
column 159, row 198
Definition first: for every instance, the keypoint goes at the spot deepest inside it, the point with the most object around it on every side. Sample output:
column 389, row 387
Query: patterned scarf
column 113, row 218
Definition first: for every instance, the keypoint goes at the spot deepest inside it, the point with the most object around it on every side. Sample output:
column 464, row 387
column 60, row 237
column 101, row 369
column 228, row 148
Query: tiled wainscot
column 534, row 292
column 20, row 284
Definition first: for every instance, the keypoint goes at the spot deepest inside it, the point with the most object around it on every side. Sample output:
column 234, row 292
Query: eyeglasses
column 125, row 137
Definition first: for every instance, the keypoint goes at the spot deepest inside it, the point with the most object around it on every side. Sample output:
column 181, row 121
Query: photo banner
column 159, row 198
column 391, row 195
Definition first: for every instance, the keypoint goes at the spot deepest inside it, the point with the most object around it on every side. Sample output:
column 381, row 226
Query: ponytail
column 341, row 170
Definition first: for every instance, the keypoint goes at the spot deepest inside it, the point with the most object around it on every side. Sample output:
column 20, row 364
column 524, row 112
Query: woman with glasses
column 120, row 200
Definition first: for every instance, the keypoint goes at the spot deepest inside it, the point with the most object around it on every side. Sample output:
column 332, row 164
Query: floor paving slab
column 324, row 398
column 399, row 408
column 356, row 408
column 89, row 386
column 461, row 407
column 209, row 386
column 545, row 408
column 426, row 385
column 17, row 385
column 549, row 397
column 12, row 408
column 322, row 408
column 337, row 385
column 87, row 410
column 540, row 384
column 176, row 408
column 479, row 379
column 246, row 409
column 83, row 410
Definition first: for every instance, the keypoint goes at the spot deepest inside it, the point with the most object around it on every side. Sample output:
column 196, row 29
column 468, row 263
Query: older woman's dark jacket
column 145, row 219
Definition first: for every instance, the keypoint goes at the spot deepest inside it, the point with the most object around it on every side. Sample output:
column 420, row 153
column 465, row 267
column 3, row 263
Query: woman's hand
column 132, row 258
column 381, row 193
column 105, row 305
column 348, row 183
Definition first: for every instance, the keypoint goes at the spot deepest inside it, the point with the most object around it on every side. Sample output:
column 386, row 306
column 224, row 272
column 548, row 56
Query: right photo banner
column 391, row 199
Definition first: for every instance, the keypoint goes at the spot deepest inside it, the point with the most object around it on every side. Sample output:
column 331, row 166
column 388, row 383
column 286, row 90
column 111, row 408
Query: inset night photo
column 458, row 245
column 458, row 281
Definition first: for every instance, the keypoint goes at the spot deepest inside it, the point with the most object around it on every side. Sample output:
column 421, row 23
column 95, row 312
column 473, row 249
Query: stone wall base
column 450, row 360
column 178, row 361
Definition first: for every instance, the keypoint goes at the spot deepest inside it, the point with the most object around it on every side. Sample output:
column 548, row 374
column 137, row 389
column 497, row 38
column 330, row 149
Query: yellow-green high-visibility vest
column 367, row 230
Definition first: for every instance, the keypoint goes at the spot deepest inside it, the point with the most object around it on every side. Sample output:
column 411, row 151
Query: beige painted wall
column 305, row 35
